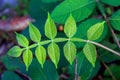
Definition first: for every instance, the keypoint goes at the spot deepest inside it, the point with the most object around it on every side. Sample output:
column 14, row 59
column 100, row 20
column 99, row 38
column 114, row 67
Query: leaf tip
column 30, row 24
column 70, row 62
column 93, row 64
column 27, row 68
column 70, row 14
column 103, row 22
column 56, row 66
column 16, row 33
column 48, row 15
column 42, row 66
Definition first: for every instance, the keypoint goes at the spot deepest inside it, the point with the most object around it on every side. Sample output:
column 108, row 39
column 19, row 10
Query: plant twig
column 22, row 75
column 97, row 44
column 100, row 45
column 114, row 36
column 108, row 23
column 75, row 69
column 107, row 68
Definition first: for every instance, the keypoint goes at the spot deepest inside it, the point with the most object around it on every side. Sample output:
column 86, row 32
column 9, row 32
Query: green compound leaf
column 95, row 31
column 70, row 51
column 40, row 53
column 50, row 28
column 70, row 27
column 111, row 2
column 15, row 51
column 80, row 10
column 35, row 34
column 54, row 53
column 22, row 40
column 90, row 53
column 115, row 20
column 27, row 58
column 83, row 27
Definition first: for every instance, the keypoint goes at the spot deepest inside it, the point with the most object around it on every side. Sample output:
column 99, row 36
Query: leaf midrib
column 53, row 47
column 34, row 33
column 88, row 45
column 94, row 31
column 50, row 27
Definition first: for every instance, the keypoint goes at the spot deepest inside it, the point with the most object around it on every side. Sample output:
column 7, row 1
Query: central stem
column 97, row 44
column 74, row 40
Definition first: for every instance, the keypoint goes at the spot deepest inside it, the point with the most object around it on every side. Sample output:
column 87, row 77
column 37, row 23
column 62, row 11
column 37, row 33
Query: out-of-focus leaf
column 48, row 72
column 12, row 63
column 115, row 69
column 15, row 51
column 70, row 27
column 54, row 53
column 115, row 20
column 34, row 33
column 40, row 53
column 111, row 2
column 80, row 10
column 106, row 55
column 90, row 53
column 50, row 28
column 10, row 75
column 70, row 51
column 49, row 1
column 84, row 69
column 83, row 28
column 22, row 40
column 101, row 8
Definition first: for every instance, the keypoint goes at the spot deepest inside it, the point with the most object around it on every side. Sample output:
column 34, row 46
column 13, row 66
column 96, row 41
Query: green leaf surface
column 38, row 11
column 54, row 53
column 107, row 56
column 90, row 53
column 90, row 71
column 49, row 1
column 95, row 31
column 10, row 75
column 78, row 8
column 115, row 69
column 27, row 58
column 40, row 53
column 115, row 20
column 34, row 33
column 111, row 2
column 22, row 40
column 48, row 72
column 15, row 51
column 70, row 27
column 84, row 68
column 101, row 8
column 83, row 28
column 70, row 51
column 11, row 63
column 50, row 28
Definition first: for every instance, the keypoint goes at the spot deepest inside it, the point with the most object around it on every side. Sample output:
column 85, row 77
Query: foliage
column 53, row 48
column 84, row 42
